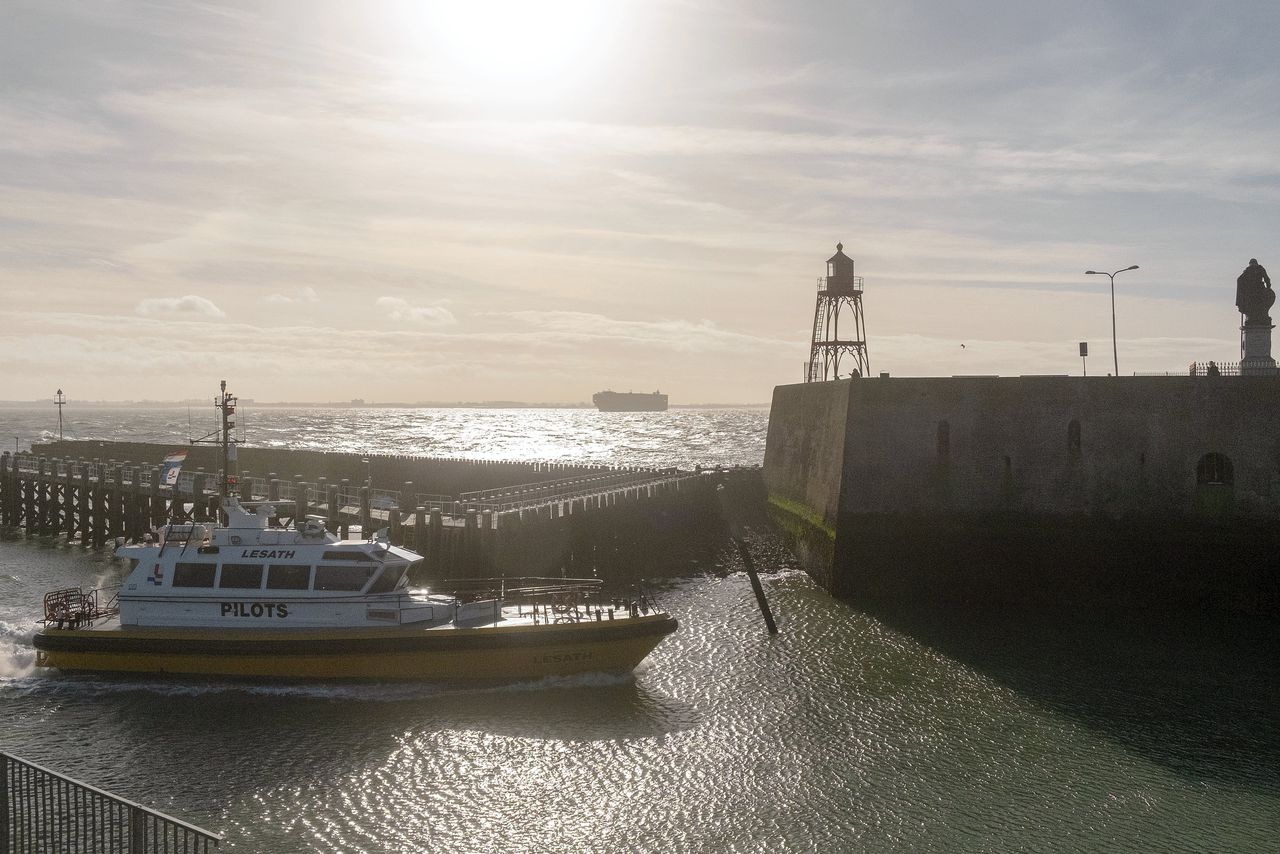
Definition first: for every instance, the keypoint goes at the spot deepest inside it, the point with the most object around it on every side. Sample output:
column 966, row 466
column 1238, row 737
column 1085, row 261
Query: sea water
column 856, row 728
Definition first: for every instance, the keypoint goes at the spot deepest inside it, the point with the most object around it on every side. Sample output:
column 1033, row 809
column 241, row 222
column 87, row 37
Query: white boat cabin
column 253, row 574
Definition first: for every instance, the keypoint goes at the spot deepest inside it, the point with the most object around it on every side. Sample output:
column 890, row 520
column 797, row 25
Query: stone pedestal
column 1256, row 343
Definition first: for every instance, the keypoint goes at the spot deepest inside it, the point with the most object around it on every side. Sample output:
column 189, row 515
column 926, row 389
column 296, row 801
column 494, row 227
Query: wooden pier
column 517, row 518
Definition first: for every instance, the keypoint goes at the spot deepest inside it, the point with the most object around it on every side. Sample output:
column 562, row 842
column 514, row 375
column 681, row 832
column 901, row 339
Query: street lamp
column 61, row 401
column 1114, row 354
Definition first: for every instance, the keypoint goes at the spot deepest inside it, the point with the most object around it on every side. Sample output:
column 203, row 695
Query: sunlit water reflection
column 677, row 437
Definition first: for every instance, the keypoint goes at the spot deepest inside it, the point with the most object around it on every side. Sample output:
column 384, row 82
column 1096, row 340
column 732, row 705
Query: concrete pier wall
column 804, row 466
column 1143, row 491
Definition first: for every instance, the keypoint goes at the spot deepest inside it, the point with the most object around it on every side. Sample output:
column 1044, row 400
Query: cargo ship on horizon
column 618, row 401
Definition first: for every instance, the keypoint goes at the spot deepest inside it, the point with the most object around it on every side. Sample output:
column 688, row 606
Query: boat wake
column 24, row 670
column 17, row 657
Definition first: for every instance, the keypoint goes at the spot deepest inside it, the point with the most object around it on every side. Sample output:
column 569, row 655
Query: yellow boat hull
column 487, row 652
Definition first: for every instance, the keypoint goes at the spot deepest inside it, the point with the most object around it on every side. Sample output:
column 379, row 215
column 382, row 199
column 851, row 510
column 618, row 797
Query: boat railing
column 74, row 607
column 42, row 810
column 511, row 588
column 184, row 533
column 557, row 600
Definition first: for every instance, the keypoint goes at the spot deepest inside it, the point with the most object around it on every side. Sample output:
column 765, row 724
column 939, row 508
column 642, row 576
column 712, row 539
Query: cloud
column 297, row 296
column 683, row 335
column 42, row 132
column 667, row 225
column 401, row 311
column 190, row 307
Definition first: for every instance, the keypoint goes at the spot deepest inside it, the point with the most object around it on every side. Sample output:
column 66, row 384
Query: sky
column 499, row 200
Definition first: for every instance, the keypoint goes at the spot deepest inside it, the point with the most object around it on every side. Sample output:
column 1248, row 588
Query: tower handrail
column 823, row 281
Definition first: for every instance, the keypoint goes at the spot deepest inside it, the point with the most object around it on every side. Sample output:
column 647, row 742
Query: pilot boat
column 248, row 596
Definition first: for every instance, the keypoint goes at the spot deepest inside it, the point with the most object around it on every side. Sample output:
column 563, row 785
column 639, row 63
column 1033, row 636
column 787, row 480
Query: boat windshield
column 390, row 577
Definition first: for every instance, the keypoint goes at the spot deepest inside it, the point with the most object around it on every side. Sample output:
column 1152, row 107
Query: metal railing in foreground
column 42, row 810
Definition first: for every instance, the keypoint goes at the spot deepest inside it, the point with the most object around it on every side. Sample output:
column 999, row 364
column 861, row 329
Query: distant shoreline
column 487, row 404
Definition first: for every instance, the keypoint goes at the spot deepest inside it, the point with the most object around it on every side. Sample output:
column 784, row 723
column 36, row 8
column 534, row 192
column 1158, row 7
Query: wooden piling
column 331, row 508
column 299, row 502
column 435, row 560
column 420, row 530
column 393, row 526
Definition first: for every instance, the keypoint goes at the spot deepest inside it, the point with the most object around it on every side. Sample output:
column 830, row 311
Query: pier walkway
column 549, row 517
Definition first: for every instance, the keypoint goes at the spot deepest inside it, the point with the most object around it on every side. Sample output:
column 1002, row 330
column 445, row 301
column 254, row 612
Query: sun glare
column 513, row 50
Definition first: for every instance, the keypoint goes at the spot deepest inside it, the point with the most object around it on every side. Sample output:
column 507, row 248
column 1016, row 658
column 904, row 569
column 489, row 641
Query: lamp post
column 1114, row 352
column 61, row 401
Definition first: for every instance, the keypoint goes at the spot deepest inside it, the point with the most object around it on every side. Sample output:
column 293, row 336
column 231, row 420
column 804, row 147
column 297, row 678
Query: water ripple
column 681, row 438
column 847, row 731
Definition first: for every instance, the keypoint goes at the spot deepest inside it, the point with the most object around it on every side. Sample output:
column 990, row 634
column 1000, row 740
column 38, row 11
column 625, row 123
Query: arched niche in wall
column 1215, row 468
column 1215, row 484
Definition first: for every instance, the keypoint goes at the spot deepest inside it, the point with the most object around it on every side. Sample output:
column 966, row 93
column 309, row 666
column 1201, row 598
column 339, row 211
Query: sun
column 517, row 50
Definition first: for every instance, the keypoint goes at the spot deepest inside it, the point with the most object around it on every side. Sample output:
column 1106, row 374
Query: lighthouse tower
column 838, row 313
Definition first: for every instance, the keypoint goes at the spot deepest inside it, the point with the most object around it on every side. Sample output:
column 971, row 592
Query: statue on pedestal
column 1254, row 296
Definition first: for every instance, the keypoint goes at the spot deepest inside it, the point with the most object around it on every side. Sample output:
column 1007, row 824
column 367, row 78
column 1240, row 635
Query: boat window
column 350, row 555
column 343, row 577
column 193, row 574
column 282, row 576
column 243, row 576
column 391, row 575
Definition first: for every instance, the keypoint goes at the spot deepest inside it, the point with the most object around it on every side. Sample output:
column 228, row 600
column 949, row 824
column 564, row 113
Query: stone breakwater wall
column 1159, row 492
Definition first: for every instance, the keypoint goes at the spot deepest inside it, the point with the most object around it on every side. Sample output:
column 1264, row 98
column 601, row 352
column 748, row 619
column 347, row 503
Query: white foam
column 17, row 656
column 370, row 692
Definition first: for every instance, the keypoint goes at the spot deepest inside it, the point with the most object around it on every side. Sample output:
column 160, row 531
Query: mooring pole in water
column 755, row 585
column 747, row 562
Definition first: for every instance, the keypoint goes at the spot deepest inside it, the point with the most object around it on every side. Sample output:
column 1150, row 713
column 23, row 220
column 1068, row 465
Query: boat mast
column 226, row 404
